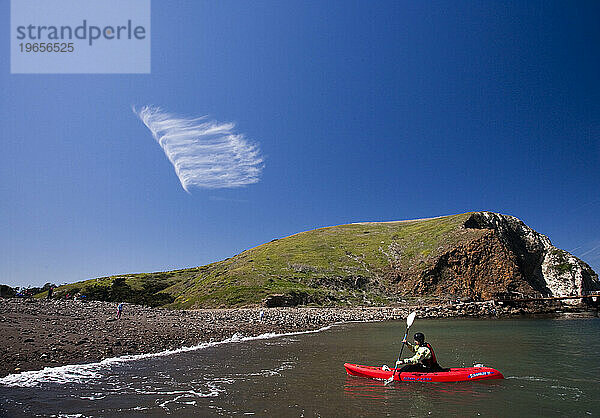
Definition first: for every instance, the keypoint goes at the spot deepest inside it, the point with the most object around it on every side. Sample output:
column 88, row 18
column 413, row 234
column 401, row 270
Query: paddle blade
column 410, row 319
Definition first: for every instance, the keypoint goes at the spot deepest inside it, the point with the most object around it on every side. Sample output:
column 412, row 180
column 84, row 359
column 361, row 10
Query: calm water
column 552, row 368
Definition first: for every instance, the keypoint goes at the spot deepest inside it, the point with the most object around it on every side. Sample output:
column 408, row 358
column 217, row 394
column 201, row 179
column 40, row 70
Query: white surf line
column 78, row 373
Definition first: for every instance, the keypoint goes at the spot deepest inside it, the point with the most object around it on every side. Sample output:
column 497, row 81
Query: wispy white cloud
column 205, row 153
column 592, row 250
column 590, row 253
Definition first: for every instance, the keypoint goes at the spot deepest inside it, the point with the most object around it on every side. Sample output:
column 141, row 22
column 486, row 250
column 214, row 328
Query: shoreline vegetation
column 40, row 333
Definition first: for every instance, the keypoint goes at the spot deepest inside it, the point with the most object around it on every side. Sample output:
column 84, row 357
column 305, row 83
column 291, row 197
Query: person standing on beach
column 119, row 310
column 50, row 290
column 262, row 315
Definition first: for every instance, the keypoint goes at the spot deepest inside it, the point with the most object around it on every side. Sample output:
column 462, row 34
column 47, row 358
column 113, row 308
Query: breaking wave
column 79, row 373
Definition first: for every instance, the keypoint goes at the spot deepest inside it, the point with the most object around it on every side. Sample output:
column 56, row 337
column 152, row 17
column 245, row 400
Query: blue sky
column 361, row 112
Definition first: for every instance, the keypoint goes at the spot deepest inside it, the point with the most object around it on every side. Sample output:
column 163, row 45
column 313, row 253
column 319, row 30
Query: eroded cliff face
column 503, row 256
column 567, row 275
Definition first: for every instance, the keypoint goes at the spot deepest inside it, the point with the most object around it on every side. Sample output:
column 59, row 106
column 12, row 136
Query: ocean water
column 551, row 368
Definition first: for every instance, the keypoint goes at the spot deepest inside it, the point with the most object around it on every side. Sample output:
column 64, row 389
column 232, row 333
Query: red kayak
column 462, row 374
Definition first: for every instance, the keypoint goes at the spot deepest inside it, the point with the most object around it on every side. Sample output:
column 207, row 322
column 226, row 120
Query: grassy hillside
column 346, row 264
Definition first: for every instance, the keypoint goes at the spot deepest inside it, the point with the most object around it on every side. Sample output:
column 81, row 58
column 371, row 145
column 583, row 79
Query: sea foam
column 80, row 373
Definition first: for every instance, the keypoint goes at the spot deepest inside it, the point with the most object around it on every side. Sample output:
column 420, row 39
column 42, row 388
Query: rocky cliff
column 505, row 257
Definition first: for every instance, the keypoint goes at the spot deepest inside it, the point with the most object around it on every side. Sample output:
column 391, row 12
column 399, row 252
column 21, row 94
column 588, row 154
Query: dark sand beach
column 38, row 333
column 42, row 333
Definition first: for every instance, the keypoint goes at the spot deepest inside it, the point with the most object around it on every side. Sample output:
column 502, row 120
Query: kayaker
column 424, row 359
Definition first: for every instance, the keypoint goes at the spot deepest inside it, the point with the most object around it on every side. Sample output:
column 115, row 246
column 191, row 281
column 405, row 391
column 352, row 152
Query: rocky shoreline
column 38, row 333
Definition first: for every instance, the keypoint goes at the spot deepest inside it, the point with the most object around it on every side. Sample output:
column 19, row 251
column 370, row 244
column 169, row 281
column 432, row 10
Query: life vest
column 431, row 362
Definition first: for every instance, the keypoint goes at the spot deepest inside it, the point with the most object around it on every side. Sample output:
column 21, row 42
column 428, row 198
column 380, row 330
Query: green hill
column 362, row 263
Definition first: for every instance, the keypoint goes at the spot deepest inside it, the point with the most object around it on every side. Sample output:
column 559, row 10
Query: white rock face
column 564, row 274
column 554, row 270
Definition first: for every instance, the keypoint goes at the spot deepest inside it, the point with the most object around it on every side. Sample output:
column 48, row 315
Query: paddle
column 409, row 321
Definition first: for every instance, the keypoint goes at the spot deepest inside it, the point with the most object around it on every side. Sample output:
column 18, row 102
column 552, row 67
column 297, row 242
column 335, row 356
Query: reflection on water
column 361, row 387
column 304, row 375
column 357, row 388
